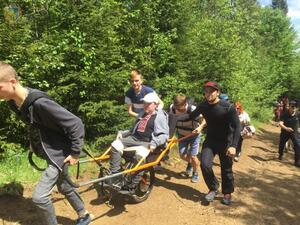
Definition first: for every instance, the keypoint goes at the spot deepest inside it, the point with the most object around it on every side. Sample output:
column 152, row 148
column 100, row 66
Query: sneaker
column 189, row 170
column 84, row 220
column 211, row 196
column 236, row 158
column 195, row 177
column 226, row 200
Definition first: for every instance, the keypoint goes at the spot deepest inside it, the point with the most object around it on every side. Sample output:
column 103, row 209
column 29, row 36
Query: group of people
column 287, row 116
column 220, row 118
column 60, row 136
column 289, row 124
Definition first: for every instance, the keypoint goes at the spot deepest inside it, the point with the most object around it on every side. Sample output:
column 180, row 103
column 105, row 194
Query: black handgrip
column 66, row 176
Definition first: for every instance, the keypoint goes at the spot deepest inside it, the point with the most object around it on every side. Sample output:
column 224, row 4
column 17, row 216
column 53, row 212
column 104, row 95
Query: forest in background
column 81, row 52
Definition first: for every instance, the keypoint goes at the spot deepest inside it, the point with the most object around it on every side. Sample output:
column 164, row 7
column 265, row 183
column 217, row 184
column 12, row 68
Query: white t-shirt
column 244, row 118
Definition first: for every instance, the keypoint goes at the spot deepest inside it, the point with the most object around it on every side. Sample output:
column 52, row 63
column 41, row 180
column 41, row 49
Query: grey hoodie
column 61, row 132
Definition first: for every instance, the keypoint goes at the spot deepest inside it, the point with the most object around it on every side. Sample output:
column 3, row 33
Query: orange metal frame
column 171, row 142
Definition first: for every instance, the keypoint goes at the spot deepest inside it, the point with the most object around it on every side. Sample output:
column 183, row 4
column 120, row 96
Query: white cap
column 151, row 97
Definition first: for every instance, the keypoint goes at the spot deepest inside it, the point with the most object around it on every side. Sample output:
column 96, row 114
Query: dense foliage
column 81, row 52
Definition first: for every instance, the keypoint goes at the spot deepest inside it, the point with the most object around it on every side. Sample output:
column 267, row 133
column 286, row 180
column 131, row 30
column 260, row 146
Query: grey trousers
column 41, row 195
column 116, row 155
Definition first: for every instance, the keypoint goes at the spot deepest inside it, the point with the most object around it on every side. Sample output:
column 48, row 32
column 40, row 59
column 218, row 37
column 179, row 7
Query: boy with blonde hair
column 59, row 140
column 135, row 94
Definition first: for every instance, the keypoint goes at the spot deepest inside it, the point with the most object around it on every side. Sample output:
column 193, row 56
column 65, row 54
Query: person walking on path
column 244, row 120
column 289, row 124
column 189, row 148
column 56, row 135
column 223, row 132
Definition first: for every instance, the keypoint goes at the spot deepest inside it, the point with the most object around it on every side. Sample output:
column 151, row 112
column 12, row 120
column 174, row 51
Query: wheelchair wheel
column 145, row 186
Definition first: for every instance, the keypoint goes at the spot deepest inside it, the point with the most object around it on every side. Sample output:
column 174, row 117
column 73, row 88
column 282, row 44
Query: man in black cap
column 289, row 123
column 223, row 132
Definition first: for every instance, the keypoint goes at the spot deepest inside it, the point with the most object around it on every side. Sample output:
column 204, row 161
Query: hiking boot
column 226, row 200
column 84, row 220
column 280, row 157
column 211, row 196
column 189, row 170
column 195, row 177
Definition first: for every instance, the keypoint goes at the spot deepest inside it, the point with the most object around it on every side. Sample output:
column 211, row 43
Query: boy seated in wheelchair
column 149, row 131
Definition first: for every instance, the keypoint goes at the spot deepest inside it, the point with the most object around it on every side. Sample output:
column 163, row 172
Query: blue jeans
column 41, row 195
column 189, row 146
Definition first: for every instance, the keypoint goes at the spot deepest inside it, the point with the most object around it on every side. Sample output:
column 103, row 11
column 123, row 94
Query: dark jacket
column 61, row 132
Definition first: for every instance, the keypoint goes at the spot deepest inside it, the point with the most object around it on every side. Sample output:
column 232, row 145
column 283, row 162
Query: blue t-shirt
column 136, row 98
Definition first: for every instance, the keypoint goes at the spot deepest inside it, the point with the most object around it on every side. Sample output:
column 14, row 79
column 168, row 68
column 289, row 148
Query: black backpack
column 173, row 119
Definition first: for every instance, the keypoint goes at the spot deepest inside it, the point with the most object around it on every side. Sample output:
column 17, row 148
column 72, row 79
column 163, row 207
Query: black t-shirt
column 222, row 121
column 290, row 121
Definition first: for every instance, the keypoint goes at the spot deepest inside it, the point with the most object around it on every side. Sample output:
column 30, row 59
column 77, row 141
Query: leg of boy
column 207, row 157
column 42, row 192
column 182, row 147
column 296, row 144
column 226, row 173
column 193, row 152
column 71, row 195
column 227, row 177
column 283, row 139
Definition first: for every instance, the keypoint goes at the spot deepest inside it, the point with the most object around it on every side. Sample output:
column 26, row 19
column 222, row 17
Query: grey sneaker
column 84, row 220
column 211, row 196
column 189, row 170
column 195, row 177
column 226, row 200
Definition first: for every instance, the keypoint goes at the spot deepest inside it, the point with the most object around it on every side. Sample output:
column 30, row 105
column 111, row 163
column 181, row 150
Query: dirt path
column 267, row 192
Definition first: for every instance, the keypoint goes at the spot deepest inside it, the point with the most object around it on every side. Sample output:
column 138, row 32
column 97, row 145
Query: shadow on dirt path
column 20, row 210
column 273, row 197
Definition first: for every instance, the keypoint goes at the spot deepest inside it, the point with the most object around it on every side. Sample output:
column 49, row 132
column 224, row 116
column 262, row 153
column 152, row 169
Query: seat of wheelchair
column 131, row 155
